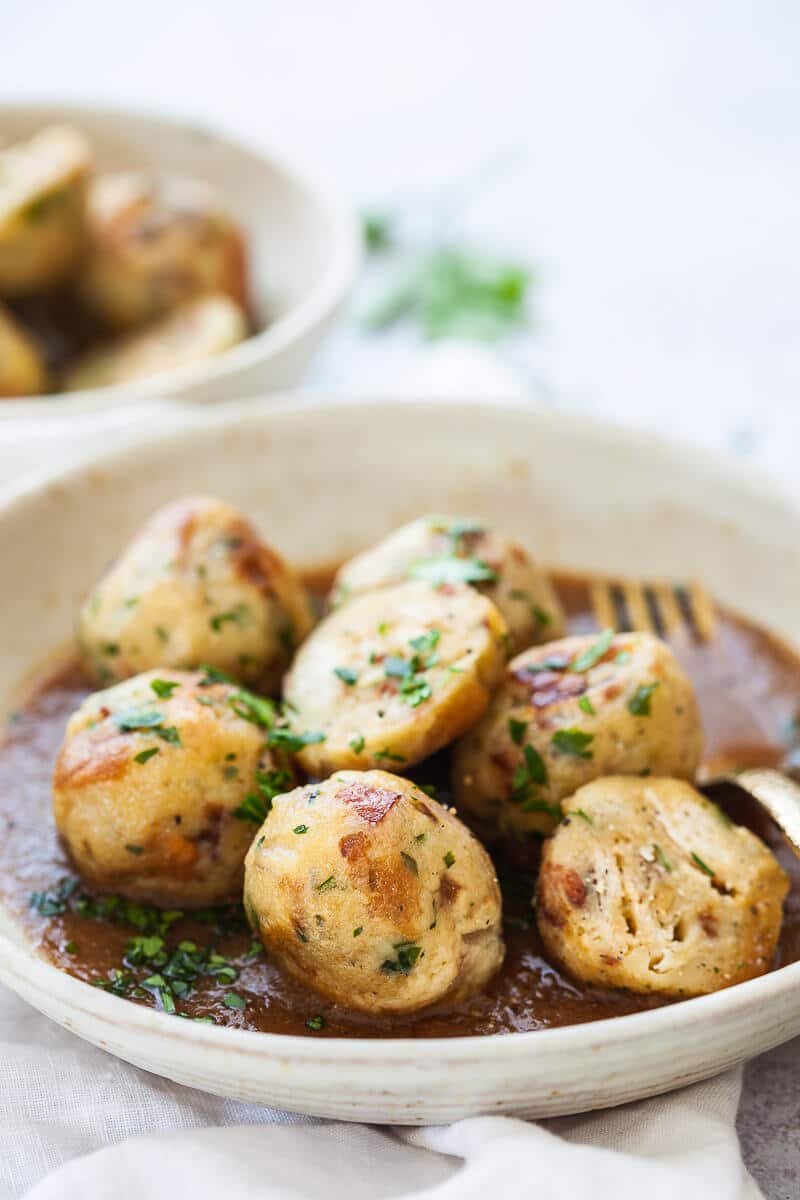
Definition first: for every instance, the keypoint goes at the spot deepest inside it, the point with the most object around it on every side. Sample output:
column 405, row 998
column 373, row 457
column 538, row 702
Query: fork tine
column 671, row 619
column 670, row 612
column 705, row 621
column 602, row 604
column 638, row 608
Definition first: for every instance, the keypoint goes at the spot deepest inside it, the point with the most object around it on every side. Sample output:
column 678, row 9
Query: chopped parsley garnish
column 298, row 829
column 111, row 649
column 415, row 689
column 233, row 1000
column 530, row 773
column 704, row 867
column 553, row 662
column 408, row 954
column 449, row 859
column 584, row 816
column 135, row 849
column 163, row 688
column 516, row 730
column 284, row 738
column 257, row 805
column 585, row 705
column 574, row 742
column 148, row 722
column 639, row 703
column 145, row 755
column 130, row 722
column 161, row 633
column 53, row 903
column 449, row 568
column 396, row 667
column 543, row 617
column 356, row 744
column 661, row 857
column 327, row 884
column 359, row 929
column 346, row 674
column 387, row 756
column 591, row 656
column 426, row 643
column 255, row 709
column 235, row 616
column 213, row 675
column 409, row 862
column 315, row 1023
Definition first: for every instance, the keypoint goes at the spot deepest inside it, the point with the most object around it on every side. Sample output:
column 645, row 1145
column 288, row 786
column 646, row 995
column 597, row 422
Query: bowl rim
column 322, row 300
column 677, row 1017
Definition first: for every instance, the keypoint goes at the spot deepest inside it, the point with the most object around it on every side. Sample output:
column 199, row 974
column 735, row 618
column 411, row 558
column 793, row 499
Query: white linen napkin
column 74, row 1121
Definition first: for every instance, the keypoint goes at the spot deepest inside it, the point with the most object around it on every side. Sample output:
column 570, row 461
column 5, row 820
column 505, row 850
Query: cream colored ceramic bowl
column 323, row 480
column 304, row 249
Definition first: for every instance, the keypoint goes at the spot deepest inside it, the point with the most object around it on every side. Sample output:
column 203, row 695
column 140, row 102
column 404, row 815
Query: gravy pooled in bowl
column 207, row 965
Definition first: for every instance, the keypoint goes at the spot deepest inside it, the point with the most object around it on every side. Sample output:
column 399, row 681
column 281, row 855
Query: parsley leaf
column 163, row 688
column 591, row 656
column 408, row 953
column 453, row 292
column 448, row 568
column 574, row 742
column 639, row 703
column 516, row 730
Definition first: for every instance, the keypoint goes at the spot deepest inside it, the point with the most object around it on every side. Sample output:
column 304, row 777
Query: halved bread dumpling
column 22, row 368
column 448, row 549
column 42, row 209
column 197, row 330
column 395, row 675
column 647, row 885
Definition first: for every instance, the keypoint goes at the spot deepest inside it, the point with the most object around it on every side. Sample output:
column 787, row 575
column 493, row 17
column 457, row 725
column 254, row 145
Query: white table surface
column 642, row 155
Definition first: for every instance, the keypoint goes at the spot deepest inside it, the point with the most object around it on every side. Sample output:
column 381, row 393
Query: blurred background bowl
column 303, row 245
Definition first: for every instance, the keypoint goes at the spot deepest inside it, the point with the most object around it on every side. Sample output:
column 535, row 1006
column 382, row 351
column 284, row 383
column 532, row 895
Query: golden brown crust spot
column 559, row 886
column 371, row 803
column 448, row 890
column 353, row 845
column 254, row 561
column 91, row 756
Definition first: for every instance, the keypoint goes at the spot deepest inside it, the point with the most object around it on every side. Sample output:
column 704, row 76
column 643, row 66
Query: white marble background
column 644, row 155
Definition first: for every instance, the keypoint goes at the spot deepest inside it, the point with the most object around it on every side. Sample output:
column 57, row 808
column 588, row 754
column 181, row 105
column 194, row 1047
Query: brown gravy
column 748, row 685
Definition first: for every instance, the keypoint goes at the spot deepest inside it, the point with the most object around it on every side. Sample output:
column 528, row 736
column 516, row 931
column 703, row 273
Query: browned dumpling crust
column 22, row 369
column 567, row 713
column 447, row 549
column 195, row 331
column 156, row 242
column 367, row 890
column 197, row 585
column 395, row 675
column 647, row 885
column 42, row 209
column 160, row 784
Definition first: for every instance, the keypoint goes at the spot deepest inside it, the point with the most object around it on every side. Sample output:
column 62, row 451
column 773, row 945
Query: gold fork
column 675, row 613
column 667, row 610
